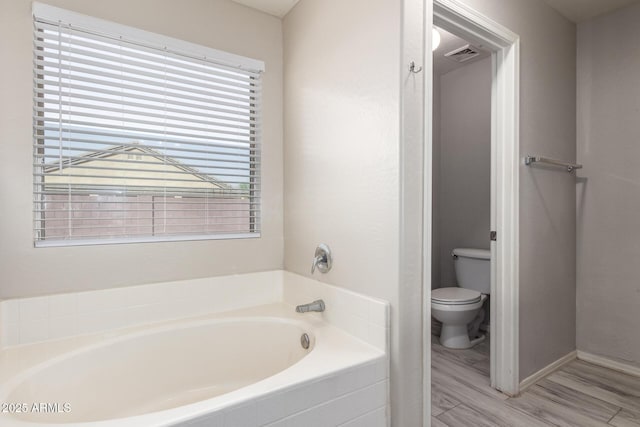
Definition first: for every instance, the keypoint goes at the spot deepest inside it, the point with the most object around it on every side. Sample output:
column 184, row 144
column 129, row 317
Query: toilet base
column 457, row 337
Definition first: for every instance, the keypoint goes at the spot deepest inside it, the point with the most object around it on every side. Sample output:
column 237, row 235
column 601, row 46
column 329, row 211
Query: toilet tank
column 473, row 269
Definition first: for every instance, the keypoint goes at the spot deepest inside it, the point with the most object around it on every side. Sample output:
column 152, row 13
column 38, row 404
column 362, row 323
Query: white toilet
column 457, row 307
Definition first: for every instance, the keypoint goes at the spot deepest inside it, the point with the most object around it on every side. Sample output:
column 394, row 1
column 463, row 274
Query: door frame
column 460, row 19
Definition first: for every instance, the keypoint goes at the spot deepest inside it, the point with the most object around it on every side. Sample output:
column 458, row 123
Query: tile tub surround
column 54, row 317
column 35, row 330
column 354, row 398
column 361, row 316
column 30, row 320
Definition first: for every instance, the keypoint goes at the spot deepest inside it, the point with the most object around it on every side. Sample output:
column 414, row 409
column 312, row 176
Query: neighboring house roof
column 113, row 168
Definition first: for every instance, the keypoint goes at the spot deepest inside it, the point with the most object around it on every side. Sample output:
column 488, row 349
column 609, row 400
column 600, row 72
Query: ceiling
column 574, row 10
column 277, row 8
column 581, row 10
column 449, row 42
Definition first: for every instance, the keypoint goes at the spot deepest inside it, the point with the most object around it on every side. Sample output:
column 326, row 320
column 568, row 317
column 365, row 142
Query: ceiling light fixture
column 436, row 39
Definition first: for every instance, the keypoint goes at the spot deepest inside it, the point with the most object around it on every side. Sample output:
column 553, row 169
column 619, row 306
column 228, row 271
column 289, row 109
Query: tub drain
column 304, row 341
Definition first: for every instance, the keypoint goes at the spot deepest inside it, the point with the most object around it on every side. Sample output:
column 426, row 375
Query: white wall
column 608, row 199
column 547, row 211
column 341, row 141
column 463, row 188
column 342, row 138
column 411, row 396
column 27, row 271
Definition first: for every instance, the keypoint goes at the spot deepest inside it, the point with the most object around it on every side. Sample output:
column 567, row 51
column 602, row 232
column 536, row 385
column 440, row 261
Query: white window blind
column 138, row 140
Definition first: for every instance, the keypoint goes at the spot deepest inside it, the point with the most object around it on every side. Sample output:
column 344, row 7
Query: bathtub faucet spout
column 317, row 305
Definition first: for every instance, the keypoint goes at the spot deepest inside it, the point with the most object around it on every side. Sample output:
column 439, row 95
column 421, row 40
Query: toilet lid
column 455, row 296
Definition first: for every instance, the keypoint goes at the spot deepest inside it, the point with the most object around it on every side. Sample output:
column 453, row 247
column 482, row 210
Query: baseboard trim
column 554, row 366
column 606, row 362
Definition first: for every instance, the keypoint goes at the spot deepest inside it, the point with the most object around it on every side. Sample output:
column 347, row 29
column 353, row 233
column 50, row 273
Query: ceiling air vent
column 463, row 53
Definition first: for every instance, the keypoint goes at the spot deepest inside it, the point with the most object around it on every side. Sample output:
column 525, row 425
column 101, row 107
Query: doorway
column 461, row 213
column 503, row 46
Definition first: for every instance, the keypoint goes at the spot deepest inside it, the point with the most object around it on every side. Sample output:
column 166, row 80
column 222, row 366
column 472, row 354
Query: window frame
column 148, row 40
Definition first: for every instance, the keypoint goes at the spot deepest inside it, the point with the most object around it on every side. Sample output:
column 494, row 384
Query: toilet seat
column 455, row 296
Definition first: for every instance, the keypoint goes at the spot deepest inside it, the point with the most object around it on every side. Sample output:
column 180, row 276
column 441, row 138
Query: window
column 140, row 137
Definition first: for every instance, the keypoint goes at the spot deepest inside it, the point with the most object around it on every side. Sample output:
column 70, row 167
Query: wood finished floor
column 578, row 395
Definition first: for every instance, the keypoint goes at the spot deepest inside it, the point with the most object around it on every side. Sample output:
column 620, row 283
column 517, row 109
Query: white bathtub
column 241, row 369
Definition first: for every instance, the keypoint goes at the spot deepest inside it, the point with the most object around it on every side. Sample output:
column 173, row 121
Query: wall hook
column 413, row 69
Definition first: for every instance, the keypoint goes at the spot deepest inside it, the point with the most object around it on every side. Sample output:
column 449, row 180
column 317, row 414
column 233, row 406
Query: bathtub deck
column 579, row 394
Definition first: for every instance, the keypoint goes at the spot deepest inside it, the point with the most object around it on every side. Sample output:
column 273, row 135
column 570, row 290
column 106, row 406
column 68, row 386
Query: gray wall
column 463, row 188
column 547, row 211
column 608, row 202
column 435, row 194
